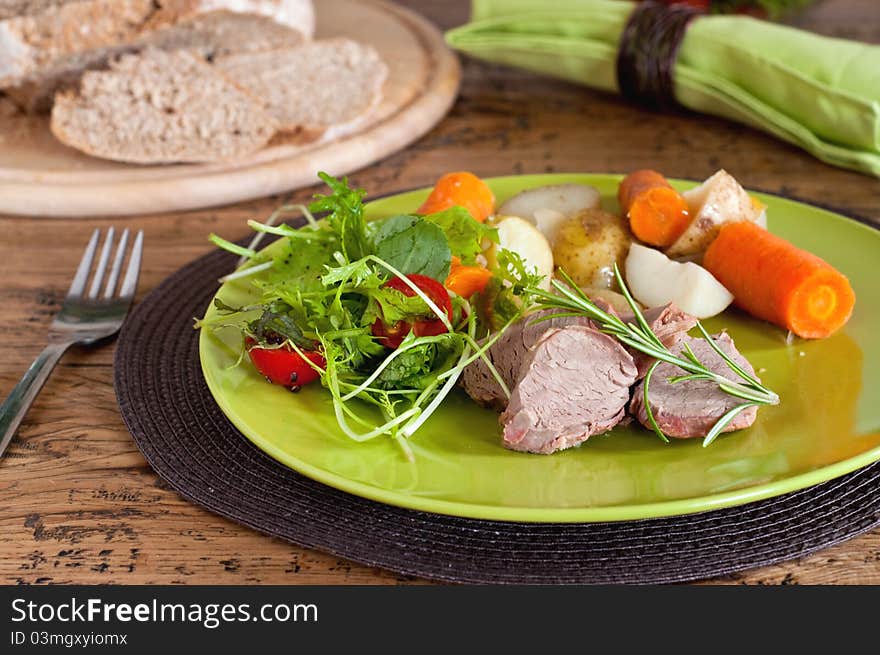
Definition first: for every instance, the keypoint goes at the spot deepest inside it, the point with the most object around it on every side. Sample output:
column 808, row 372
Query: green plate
column 827, row 424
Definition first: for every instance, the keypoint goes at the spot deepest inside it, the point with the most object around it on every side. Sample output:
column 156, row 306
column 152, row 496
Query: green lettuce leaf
column 464, row 234
column 278, row 321
column 505, row 296
column 346, row 216
column 418, row 366
column 300, row 266
column 392, row 306
column 413, row 245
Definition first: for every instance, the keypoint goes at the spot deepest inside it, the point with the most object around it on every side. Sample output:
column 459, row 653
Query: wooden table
column 78, row 503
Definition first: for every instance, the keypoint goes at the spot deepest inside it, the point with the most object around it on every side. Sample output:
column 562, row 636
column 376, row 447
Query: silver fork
column 87, row 316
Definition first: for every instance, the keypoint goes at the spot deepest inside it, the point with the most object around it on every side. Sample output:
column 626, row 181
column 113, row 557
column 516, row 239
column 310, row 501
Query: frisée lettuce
column 327, row 287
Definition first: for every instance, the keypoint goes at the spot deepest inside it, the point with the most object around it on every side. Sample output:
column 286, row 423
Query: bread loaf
column 161, row 107
column 322, row 89
column 47, row 44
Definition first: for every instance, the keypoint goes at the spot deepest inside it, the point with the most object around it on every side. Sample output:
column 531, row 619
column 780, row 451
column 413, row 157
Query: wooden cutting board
column 41, row 177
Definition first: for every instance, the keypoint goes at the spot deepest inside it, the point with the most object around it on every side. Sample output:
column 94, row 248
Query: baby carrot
column 658, row 214
column 465, row 281
column 464, row 189
column 774, row 280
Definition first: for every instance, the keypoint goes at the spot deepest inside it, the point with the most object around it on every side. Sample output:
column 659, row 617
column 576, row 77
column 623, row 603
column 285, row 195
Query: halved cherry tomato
column 284, row 365
column 392, row 335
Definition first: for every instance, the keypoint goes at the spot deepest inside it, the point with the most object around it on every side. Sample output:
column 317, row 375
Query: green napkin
column 820, row 93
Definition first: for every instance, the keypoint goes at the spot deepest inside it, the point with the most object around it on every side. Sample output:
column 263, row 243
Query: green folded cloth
column 820, row 93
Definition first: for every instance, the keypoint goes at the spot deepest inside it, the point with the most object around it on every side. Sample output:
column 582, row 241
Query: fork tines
column 129, row 283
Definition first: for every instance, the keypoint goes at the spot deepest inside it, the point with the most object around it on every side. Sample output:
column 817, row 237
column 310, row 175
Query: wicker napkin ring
column 648, row 48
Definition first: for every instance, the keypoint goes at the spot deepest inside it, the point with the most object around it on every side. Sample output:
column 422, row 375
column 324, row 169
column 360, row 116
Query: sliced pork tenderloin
column 669, row 323
column 573, row 383
column 507, row 355
column 690, row 408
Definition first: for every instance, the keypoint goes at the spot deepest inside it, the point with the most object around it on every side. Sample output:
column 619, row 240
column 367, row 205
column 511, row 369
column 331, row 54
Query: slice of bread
column 161, row 107
column 322, row 89
column 44, row 46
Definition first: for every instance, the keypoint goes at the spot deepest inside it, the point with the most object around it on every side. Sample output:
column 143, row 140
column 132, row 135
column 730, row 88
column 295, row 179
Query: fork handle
column 14, row 408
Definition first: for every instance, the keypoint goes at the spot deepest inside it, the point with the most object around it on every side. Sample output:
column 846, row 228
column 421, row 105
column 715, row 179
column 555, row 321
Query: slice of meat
column 507, row 356
column 669, row 323
column 691, row 408
column 573, row 384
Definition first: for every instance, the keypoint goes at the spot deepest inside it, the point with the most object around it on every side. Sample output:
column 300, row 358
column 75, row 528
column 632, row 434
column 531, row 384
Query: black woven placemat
column 191, row 445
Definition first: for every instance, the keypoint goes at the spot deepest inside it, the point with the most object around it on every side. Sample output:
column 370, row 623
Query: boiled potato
column 588, row 245
column 523, row 238
column 654, row 280
column 547, row 205
column 718, row 200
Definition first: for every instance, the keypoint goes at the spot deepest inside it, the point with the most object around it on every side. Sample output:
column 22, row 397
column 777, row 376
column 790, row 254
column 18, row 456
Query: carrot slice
column 658, row 214
column 463, row 189
column 465, row 281
column 636, row 182
column 774, row 280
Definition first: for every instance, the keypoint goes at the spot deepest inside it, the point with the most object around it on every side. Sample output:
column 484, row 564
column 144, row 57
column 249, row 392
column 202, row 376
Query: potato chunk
column 589, row 244
column 718, row 200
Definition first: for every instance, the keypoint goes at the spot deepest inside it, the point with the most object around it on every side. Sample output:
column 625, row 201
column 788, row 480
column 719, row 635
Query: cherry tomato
column 284, row 365
column 392, row 335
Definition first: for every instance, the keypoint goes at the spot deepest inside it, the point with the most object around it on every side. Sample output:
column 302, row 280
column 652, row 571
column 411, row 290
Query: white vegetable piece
column 548, row 222
column 655, row 280
column 718, row 200
column 523, row 238
column 564, row 199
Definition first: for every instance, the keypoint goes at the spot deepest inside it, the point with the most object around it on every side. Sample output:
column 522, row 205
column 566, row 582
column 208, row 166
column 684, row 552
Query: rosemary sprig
column 654, row 425
column 570, row 300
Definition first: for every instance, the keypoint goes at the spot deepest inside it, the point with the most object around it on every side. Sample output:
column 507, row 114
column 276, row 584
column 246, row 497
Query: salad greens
column 414, row 246
column 328, row 287
column 464, row 235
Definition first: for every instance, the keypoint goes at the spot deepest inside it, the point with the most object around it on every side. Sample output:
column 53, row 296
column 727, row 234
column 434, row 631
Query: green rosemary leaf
column 739, row 370
column 689, row 353
column 724, row 421
column 550, row 317
column 648, row 410
column 690, row 376
column 739, row 391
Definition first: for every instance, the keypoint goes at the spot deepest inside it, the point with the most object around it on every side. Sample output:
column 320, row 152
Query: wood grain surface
column 77, row 501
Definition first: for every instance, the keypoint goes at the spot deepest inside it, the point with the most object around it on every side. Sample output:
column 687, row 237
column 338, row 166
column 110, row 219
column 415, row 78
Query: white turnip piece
column 654, row 280
column 523, row 238
column 565, row 199
column 548, row 221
